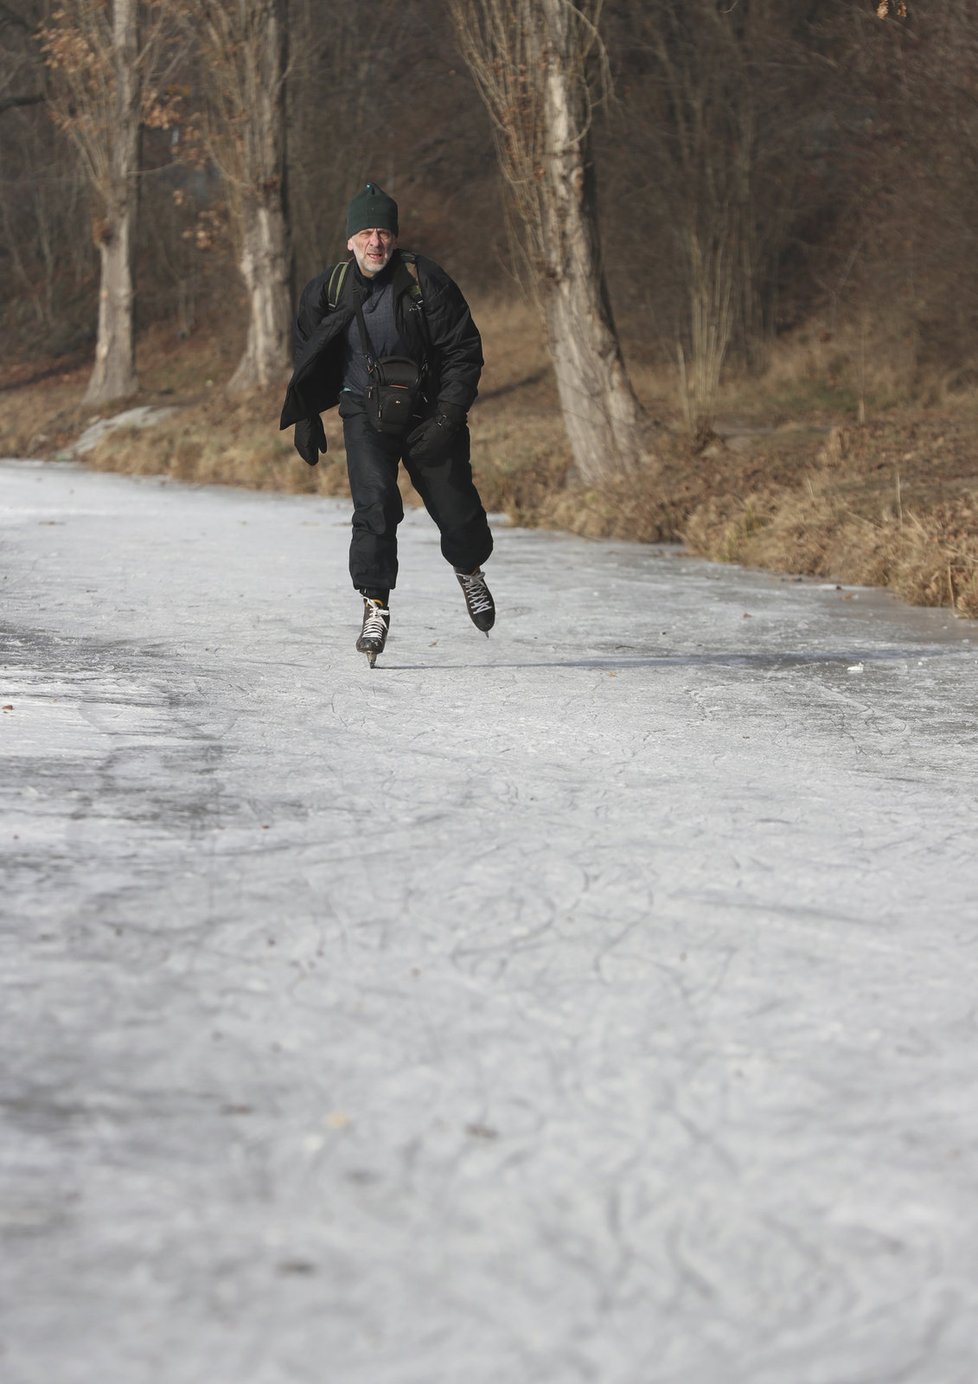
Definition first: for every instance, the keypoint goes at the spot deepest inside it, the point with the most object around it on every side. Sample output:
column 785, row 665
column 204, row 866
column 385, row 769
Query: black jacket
column 447, row 341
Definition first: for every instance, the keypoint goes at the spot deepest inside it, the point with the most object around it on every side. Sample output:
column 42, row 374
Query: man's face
column 372, row 250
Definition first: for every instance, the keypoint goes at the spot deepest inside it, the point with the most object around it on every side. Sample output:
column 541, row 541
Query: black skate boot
column 478, row 599
column 373, row 635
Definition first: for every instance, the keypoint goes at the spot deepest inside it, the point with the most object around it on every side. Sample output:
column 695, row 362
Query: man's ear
column 349, row 246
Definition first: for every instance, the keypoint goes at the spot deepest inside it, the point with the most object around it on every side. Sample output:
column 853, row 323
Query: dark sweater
column 378, row 318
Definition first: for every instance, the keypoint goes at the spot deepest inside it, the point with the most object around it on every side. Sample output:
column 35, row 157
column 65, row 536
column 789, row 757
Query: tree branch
column 10, row 102
column 9, row 16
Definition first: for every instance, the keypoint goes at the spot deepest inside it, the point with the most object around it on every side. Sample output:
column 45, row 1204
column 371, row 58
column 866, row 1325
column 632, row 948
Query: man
column 391, row 316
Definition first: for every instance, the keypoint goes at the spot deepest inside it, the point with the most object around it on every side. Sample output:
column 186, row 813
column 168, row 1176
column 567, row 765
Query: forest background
column 723, row 255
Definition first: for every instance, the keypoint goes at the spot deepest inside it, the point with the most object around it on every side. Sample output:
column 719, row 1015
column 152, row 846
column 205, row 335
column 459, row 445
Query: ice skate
column 478, row 599
column 373, row 635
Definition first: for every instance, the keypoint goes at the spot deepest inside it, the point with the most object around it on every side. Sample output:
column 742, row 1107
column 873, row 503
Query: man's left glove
column 432, row 440
column 310, row 438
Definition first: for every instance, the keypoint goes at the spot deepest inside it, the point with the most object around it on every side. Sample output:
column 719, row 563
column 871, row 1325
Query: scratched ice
column 592, row 1003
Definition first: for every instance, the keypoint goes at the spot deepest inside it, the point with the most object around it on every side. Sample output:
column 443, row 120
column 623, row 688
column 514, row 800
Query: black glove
column 310, row 438
column 432, row 440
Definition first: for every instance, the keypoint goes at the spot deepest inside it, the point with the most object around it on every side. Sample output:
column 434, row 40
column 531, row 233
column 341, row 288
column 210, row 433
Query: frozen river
column 592, row 1003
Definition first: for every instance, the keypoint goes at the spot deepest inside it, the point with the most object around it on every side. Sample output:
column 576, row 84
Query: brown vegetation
column 791, row 481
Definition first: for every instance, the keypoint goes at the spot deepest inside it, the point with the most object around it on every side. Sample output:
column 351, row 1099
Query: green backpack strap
column 336, row 282
column 411, row 282
column 407, row 280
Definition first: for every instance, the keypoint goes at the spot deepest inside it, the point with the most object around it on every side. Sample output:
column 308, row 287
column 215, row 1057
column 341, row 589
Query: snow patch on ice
column 142, row 417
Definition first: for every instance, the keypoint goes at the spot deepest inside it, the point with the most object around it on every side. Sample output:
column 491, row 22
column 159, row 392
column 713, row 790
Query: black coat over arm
column 446, row 341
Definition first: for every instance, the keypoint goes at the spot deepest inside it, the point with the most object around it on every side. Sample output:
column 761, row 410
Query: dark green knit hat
column 371, row 208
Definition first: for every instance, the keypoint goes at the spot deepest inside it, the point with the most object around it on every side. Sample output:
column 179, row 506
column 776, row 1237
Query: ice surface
column 592, row 1003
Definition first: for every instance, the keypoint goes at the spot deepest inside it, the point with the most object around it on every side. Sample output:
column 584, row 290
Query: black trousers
column 446, row 489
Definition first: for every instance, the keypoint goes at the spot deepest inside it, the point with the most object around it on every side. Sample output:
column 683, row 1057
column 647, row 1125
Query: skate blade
column 372, row 657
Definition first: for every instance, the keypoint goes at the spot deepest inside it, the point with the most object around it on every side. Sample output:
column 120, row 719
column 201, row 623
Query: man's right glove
column 432, row 440
column 310, row 439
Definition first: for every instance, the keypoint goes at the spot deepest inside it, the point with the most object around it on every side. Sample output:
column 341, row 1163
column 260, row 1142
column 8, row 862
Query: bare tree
column 20, row 81
column 346, row 110
column 28, row 148
column 711, row 122
column 244, row 51
column 696, row 119
column 910, row 161
column 533, row 62
column 99, row 95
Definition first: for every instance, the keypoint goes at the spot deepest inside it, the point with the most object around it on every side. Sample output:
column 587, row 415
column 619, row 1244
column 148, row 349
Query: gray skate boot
column 478, row 599
column 373, row 635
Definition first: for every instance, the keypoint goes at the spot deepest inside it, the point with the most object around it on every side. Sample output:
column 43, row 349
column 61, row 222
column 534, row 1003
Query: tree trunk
column 600, row 411
column 711, row 281
column 259, row 199
column 114, row 373
column 530, row 60
column 264, row 266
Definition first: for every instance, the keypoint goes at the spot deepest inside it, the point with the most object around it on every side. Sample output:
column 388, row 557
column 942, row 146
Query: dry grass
column 791, row 483
column 40, row 407
column 892, row 503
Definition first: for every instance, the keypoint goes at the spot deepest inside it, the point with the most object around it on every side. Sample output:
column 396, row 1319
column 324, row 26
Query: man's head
column 371, row 224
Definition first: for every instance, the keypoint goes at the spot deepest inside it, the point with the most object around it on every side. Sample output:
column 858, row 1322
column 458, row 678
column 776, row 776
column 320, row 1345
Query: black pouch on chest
column 392, row 394
column 395, row 383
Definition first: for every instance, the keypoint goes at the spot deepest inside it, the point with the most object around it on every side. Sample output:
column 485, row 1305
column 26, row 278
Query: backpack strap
column 408, row 281
column 336, row 281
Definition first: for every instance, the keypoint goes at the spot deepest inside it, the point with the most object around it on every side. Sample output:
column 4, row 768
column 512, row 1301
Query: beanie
column 371, row 208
